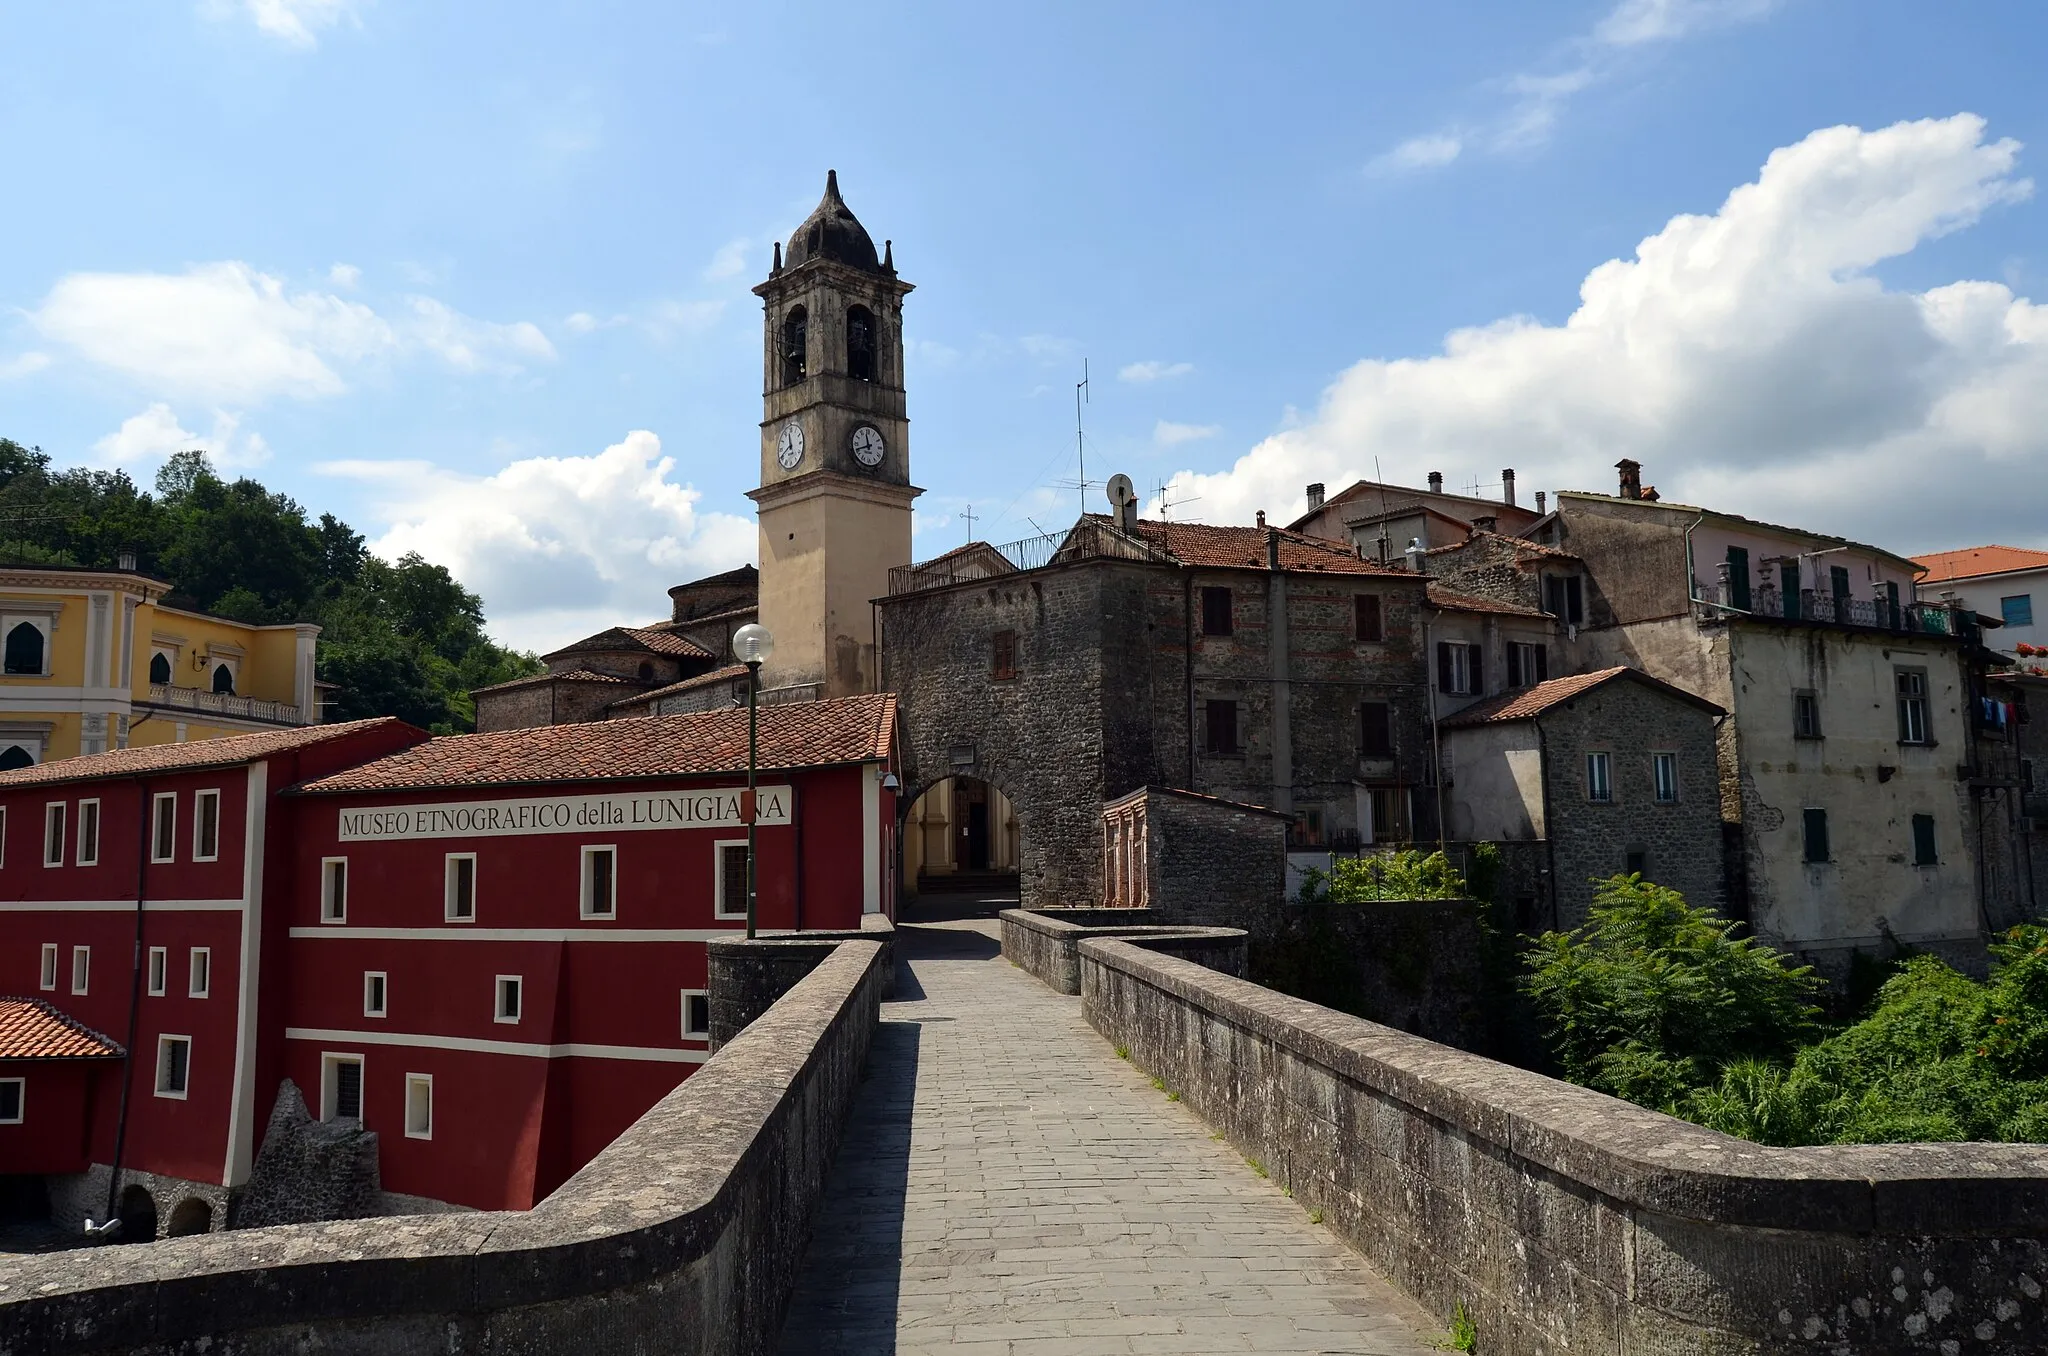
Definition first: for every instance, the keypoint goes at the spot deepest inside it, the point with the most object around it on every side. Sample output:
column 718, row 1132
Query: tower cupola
column 832, row 232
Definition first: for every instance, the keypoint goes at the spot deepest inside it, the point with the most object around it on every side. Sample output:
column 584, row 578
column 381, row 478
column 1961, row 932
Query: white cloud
column 1168, row 434
column 22, row 365
column 669, row 319
column 296, row 23
column 156, row 433
column 729, row 262
column 225, row 333
column 558, row 547
column 345, row 276
column 1749, row 358
column 1634, row 22
column 582, row 322
column 1047, row 348
column 1153, row 370
column 1424, row 152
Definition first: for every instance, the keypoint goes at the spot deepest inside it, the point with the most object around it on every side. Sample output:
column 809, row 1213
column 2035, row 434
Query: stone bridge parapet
column 1045, row 943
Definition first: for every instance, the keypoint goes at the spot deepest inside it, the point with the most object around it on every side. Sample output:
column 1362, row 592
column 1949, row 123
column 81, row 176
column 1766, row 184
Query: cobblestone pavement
column 1008, row 1187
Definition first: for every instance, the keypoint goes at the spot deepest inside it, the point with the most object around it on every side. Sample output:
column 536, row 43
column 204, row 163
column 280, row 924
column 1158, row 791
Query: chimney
column 1631, row 478
column 1507, row 487
column 124, row 561
column 1540, row 510
column 1272, row 548
column 1486, row 522
column 1315, row 496
column 1436, row 482
column 1262, row 517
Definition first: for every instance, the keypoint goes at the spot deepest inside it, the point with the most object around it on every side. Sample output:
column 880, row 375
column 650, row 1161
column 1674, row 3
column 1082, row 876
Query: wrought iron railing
column 1876, row 614
column 206, row 702
column 1088, row 539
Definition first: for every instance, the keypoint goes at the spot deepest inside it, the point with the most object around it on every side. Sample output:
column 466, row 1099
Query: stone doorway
column 961, row 834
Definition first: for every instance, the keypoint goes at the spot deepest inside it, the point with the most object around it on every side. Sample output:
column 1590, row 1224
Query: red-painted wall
column 57, row 1103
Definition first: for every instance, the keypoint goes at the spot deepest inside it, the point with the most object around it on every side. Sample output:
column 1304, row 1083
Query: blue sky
column 475, row 276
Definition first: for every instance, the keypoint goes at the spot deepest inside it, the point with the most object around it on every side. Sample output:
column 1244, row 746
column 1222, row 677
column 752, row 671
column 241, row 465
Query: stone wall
column 1412, row 964
column 1046, row 943
column 1211, row 861
column 748, row 975
column 308, row 1170
column 682, row 1236
column 1564, row 1220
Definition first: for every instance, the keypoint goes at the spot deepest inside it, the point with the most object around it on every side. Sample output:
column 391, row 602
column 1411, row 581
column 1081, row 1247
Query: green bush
column 1407, row 874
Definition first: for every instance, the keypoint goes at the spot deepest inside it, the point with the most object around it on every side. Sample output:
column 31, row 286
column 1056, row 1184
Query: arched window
column 860, row 343
column 160, row 669
column 646, row 670
column 16, row 756
column 24, row 649
column 224, row 679
column 795, row 345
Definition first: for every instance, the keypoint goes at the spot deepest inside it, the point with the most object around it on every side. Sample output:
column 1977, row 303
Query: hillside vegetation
column 403, row 639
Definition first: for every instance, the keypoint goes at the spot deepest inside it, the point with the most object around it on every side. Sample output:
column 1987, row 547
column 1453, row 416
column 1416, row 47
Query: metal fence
column 1875, row 614
column 1085, row 540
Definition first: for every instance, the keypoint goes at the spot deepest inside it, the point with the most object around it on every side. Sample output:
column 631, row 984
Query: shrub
column 1407, row 874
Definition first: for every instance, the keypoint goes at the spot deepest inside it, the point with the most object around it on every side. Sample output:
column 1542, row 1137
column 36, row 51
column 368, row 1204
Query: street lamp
column 752, row 644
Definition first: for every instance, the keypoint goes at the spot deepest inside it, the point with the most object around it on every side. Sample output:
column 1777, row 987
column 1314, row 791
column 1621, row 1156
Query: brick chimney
column 1436, row 482
column 1631, row 478
column 1540, row 497
column 1507, row 486
column 1315, row 496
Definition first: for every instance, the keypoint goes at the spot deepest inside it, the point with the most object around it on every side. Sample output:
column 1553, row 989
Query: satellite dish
column 1121, row 493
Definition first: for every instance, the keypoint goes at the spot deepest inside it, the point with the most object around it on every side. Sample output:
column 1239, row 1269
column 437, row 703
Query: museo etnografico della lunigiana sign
column 714, row 809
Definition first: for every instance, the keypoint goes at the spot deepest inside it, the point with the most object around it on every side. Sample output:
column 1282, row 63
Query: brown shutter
column 1542, row 663
column 1478, row 674
column 1443, row 666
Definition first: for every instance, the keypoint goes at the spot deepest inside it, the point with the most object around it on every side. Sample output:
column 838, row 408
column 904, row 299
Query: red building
column 487, row 948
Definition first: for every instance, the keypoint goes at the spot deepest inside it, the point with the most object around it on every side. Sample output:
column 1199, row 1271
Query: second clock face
column 789, row 447
column 867, row 446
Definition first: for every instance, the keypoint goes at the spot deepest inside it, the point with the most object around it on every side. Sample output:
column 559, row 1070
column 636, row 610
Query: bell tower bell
column 835, row 493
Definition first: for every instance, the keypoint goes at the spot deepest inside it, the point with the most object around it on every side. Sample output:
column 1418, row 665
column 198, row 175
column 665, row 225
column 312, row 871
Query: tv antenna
column 1082, row 396
column 968, row 514
column 1165, row 487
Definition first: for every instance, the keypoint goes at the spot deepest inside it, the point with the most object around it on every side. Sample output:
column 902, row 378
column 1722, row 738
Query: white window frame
column 199, row 972
column 330, row 1061
column 500, row 986
column 419, row 1080
column 54, row 829
column 379, row 983
column 333, row 910
column 705, row 1033
column 163, row 837
column 3, row 831
column 718, row 910
column 448, row 870
column 583, row 881
column 199, row 801
column 159, row 971
column 81, row 970
column 163, row 1044
column 1460, row 653
column 49, row 974
column 20, row 1101
column 1599, row 777
column 93, row 818
column 1664, row 777
column 44, row 624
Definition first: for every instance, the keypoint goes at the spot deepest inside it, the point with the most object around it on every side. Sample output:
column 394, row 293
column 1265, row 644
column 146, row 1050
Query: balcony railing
column 1875, row 614
column 204, row 702
column 1086, row 540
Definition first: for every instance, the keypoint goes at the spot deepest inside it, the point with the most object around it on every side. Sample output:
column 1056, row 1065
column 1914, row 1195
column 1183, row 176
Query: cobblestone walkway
column 1008, row 1187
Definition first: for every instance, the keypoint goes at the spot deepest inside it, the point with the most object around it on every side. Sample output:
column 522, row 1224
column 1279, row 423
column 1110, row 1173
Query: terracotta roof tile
column 716, row 676
column 1450, row 601
column 567, row 676
column 156, row 758
column 1534, row 701
column 729, row 614
column 1521, row 544
column 1972, row 561
column 793, row 734
column 635, row 638
column 1245, row 548
column 32, row 1029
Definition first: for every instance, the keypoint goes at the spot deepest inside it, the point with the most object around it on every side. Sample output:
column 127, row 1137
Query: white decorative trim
column 405, row 1111
column 718, row 879
column 120, row 906
column 242, row 1091
column 473, row 1045
column 871, row 837
column 584, row 907
column 199, row 965
column 198, row 819
column 515, row 985
column 185, row 1092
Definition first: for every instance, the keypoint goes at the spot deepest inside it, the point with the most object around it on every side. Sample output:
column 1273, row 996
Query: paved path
column 1009, row 1187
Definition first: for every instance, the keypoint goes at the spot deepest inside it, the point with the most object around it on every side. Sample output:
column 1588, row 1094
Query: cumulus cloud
column 345, row 276
column 1169, row 434
column 226, row 333
column 156, row 433
column 1634, row 22
column 730, row 261
column 1751, row 359
column 1153, row 370
column 22, row 365
column 558, row 547
column 1424, row 152
column 296, row 23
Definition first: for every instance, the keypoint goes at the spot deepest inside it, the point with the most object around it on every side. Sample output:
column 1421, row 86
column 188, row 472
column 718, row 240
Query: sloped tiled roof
column 156, row 758
column 32, row 1029
column 1521, row 544
column 716, row 676
column 635, row 638
column 567, row 676
column 1203, row 544
column 1452, row 601
column 792, row 735
column 729, row 614
column 1971, row 561
column 1534, row 701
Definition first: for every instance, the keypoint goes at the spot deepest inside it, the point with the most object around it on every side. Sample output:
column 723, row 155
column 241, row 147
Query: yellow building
column 91, row 660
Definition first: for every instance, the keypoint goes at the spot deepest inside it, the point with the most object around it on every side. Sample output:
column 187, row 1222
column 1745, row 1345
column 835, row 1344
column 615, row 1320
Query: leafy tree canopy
column 402, row 639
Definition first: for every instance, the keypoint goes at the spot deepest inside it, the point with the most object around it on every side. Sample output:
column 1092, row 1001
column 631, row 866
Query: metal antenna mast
column 969, row 516
column 1081, row 394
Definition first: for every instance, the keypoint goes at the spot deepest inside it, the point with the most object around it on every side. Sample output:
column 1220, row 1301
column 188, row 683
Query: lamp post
column 751, row 645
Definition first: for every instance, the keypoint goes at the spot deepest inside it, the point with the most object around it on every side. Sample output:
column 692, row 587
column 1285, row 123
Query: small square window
column 459, row 887
column 1368, row 624
column 1002, row 662
column 1912, row 689
column 1664, row 771
column 1220, row 732
column 163, row 835
column 88, row 833
column 1635, row 862
column 696, row 1015
column 1923, row 841
column 81, row 968
column 374, row 984
column 2017, row 610
column 509, row 995
column 1216, row 612
column 1599, row 778
column 173, row 1065
column 199, row 972
column 159, row 963
column 49, row 975
column 729, row 890
column 1805, row 714
column 341, row 1087
column 1376, row 730
column 419, row 1106
column 334, row 889
column 600, row 886
column 206, row 826
column 1814, row 822
column 53, row 834
column 13, row 1096
column 1528, row 664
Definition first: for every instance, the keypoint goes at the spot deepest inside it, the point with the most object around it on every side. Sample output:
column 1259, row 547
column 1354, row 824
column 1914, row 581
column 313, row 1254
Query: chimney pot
column 1436, row 482
column 1262, row 518
column 1631, row 478
column 1315, row 496
column 1540, row 497
column 1507, row 487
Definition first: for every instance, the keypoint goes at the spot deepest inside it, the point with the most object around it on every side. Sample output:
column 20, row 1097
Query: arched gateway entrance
column 961, row 834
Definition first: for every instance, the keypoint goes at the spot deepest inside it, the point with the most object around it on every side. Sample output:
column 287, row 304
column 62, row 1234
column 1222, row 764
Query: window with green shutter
column 1816, row 834
column 1738, row 577
column 1923, row 841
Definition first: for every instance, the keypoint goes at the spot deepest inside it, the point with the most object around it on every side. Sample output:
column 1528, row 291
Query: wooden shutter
column 1816, row 835
column 1838, row 582
column 1542, row 663
column 1575, row 600
column 1923, row 841
column 1738, row 577
column 1516, row 678
column 1475, row 676
column 1216, row 618
column 1443, row 666
column 1368, row 618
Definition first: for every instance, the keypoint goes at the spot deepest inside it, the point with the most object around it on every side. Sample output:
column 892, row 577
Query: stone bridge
column 1051, row 1138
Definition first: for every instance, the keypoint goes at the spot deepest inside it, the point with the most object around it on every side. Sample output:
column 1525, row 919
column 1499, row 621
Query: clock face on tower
column 867, row 446
column 789, row 448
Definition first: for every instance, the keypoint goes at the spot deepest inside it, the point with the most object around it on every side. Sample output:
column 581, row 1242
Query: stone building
column 1379, row 519
column 1611, row 772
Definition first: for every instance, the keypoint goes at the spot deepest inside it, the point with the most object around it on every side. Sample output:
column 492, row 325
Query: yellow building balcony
column 200, row 700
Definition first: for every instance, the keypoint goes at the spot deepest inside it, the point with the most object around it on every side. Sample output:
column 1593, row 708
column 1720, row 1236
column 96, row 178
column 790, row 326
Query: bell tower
column 834, row 499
